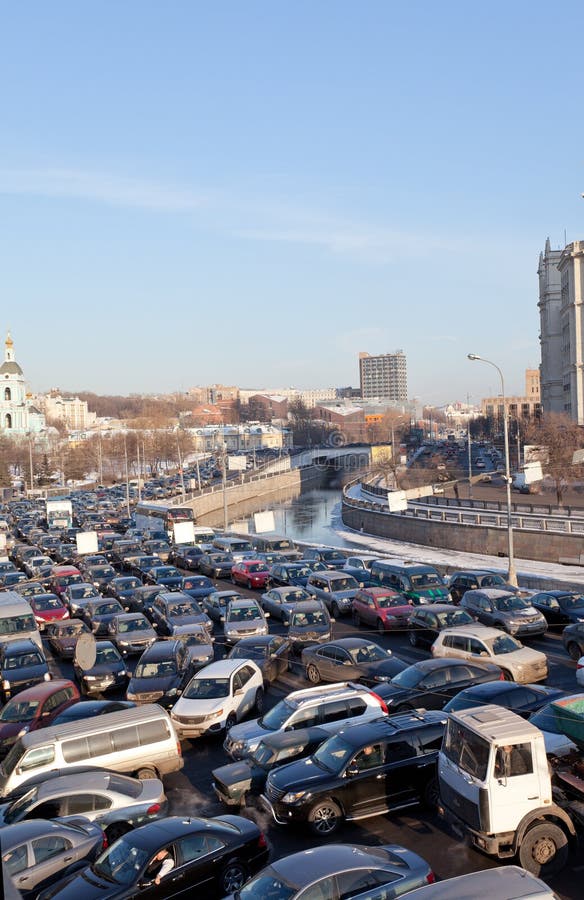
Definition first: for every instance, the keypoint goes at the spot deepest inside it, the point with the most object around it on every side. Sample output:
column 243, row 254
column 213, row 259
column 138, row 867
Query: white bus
column 160, row 517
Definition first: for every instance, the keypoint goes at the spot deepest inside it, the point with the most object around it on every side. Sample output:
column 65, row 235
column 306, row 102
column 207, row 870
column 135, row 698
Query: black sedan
column 280, row 601
column 433, row 682
column 560, row 607
column 97, row 614
column 270, row 652
column 167, row 576
column 22, row 664
column 140, row 564
column 185, row 556
column 573, row 640
column 108, row 673
column 122, row 587
column 100, row 576
column 350, row 659
column 131, row 633
column 197, row 586
column 141, row 600
column 162, row 672
column 214, row 855
column 216, row 565
column 296, row 574
column 522, row 699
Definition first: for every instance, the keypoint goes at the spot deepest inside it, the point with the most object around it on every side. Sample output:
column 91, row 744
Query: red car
column 252, row 572
column 382, row 608
column 48, row 608
column 34, row 708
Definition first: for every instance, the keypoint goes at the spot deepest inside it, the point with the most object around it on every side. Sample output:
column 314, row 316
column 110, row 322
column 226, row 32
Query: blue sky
column 254, row 192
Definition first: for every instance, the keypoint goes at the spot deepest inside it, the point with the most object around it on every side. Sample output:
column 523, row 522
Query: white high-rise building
column 384, row 375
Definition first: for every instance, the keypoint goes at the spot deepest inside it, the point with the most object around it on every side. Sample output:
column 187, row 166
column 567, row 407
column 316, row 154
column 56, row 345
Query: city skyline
column 253, row 195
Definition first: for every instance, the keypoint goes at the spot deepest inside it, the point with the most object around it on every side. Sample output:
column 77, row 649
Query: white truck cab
column 495, row 783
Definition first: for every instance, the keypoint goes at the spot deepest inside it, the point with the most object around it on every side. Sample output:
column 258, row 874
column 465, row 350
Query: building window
column 8, row 421
column 7, row 394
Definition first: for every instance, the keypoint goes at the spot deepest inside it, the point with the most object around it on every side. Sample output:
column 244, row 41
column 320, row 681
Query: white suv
column 217, row 697
column 322, row 706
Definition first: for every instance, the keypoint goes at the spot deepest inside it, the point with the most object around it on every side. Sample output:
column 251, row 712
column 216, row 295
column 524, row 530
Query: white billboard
column 397, row 500
column 86, row 542
column 264, row 521
column 236, row 463
column 184, row 532
column 532, row 472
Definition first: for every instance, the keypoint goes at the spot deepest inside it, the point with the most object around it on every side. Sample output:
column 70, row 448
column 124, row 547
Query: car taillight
column 178, row 748
column 104, row 842
column 381, row 702
column 152, row 810
column 502, row 676
column 262, row 843
column 430, row 878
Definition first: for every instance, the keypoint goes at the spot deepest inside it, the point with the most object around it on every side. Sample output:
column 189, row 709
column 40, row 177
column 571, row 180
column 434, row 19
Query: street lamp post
column 512, row 575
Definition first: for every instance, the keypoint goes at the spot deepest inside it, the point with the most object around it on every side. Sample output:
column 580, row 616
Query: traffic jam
column 186, row 708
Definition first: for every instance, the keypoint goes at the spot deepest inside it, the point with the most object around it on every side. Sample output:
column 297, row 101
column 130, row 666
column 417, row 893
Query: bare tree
column 558, row 437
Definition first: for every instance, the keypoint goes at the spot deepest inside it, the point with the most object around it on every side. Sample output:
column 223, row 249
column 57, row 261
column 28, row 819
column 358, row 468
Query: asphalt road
column 189, row 791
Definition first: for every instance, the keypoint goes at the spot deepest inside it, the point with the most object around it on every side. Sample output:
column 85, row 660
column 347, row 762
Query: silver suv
column 324, row 706
column 504, row 609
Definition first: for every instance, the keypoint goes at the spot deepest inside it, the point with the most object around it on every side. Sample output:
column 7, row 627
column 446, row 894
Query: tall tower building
column 384, row 376
column 571, row 270
column 550, row 331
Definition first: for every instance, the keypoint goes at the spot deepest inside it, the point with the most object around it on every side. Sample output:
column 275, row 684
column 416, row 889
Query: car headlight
column 123, row 643
column 218, row 712
column 381, row 678
column 123, row 672
column 172, row 692
column 6, row 685
column 47, row 676
column 130, row 696
column 90, row 678
column 23, row 731
column 293, row 796
column 239, row 746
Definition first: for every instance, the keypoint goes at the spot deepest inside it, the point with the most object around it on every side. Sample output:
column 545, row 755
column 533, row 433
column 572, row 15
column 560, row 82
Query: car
column 218, row 697
column 341, row 870
column 198, row 642
column 121, row 587
column 309, row 623
column 504, row 610
column 280, row 601
column 335, row 589
column 431, row 683
column 197, row 586
column 35, row 707
column 363, row 770
column 97, row 614
column 185, row 556
column 237, row 782
column 158, row 547
column 216, row 565
column 573, row 640
column 117, row 803
column 89, row 709
column 472, row 579
column 141, row 600
column 252, row 573
column 48, row 608
column 361, row 575
column 138, row 565
column 359, row 562
column 484, row 644
column 381, row 608
column 22, row 664
column 556, row 742
column 296, row 573
column 131, row 633
column 330, row 558
column 522, row 699
column 243, row 618
column 108, row 673
column 37, row 853
column 350, row 659
column 426, row 622
column 38, row 566
column 77, row 595
column 580, row 671
column 559, row 607
column 323, row 706
column 28, row 589
column 161, row 673
column 167, row 576
column 215, row 605
column 215, row 856
column 173, row 610
column 270, row 653
column 11, row 579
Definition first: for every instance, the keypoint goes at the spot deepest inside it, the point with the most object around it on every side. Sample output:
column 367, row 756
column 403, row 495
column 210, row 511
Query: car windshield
column 492, row 580
column 299, row 572
column 166, row 571
column 332, row 554
column 71, row 629
column 269, row 885
column 207, row 689
column 503, row 644
column 454, row 617
column 281, row 545
column 155, row 669
column 333, row 754
column 182, row 609
column 220, row 557
column 46, row 604
column 133, row 625
column 19, row 711
column 17, row 624
column 466, row 749
column 409, row 678
column 572, row 601
column 294, row 596
column 257, row 567
column 101, row 571
column 243, row 613
column 122, row 862
column 277, row 716
column 344, row 584
column 315, row 617
column 126, row 584
column 387, row 602
column 106, row 655
column 195, row 583
column 249, row 651
column 23, row 660
column 510, row 602
column 425, row 579
column 17, row 810
column 106, row 609
column 368, row 653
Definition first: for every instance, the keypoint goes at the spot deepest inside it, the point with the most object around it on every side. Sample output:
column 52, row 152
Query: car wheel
column 231, row 721
column 116, row 830
column 233, row 876
column 324, row 818
column 249, row 585
column 335, row 610
column 380, row 626
column 574, row 651
column 146, row 772
column 432, row 794
column 313, row 674
column 413, row 638
column 544, row 850
column 259, row 701
column 356, row 620
column 402, row 708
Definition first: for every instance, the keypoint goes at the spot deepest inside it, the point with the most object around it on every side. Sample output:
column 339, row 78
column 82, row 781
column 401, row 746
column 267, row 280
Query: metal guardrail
column 231, row 485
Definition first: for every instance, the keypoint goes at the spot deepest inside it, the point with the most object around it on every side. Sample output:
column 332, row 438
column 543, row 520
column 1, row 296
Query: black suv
column 470, row 580
column 364, row 770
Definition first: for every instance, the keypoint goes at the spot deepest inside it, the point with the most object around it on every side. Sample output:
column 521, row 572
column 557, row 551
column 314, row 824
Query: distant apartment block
column 384, row 375
column 525, row 407
column 71, row 411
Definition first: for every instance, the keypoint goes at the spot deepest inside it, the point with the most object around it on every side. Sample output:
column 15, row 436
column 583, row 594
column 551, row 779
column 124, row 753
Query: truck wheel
column 544, row 849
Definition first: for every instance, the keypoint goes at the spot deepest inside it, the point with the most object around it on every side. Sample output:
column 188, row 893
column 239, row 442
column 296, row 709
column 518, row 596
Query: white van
column 17, row 620
column 140, row 741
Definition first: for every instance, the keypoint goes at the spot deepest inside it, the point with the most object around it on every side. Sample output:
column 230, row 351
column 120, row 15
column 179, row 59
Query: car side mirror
column 238, row 692
column 267, row 615
column 352, row 771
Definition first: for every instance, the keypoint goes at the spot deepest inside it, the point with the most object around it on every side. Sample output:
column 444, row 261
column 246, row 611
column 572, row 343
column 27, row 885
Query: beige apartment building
column 525, row 407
